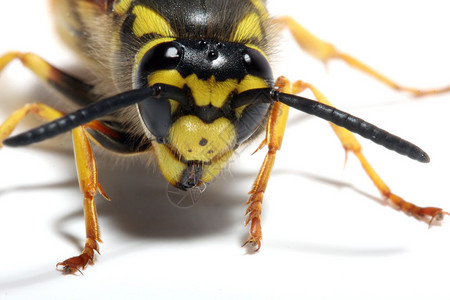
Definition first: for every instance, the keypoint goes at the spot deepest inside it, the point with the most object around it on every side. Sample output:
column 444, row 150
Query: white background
column 327, row 233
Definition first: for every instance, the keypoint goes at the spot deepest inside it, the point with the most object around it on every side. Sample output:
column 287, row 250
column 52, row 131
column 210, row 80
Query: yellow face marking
column 122, row 6
column 148, row 21
column 198, row 141
column 211, row 171
column 171, row 77
column 248, row 28
column 251, row 82
column 195, row 140
column 206, row 92
column 171, row 167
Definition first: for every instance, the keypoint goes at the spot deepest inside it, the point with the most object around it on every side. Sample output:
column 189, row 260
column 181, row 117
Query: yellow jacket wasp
column 190, row 87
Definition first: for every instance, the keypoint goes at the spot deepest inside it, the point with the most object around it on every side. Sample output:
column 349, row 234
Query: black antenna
column 337, row 117
column 266, row 95
column 95, row 111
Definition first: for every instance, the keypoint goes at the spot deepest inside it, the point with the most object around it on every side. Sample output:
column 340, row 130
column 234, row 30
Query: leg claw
column 254, row 242
column 74, row 264
column 78, row 263
column 435, row 214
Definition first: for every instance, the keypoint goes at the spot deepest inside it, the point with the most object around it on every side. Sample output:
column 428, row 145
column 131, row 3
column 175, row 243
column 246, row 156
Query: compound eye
column 156, row 114
column 156, row 117
column 164, row 56
column 256, row 64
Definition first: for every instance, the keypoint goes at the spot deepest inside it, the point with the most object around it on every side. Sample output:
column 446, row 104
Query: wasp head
column 195, row 137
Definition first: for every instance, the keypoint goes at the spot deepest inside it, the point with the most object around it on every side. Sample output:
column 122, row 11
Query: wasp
column 188, row 83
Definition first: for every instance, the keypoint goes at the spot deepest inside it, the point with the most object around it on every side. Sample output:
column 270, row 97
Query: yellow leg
column 33, row 62
column 89, row 186
column 325, row 51
column 39, row 109
column 87, row 177
column 274, row 137
column 350, row 143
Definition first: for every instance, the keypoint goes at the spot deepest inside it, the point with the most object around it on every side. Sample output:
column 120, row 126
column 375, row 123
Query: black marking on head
column 223, row 60
column 204, row 58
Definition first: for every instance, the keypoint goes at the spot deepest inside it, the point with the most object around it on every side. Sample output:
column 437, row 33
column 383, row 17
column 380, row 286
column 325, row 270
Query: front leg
column 81, row 93
column 274, row 137
column 89, row 186
column 87, row 175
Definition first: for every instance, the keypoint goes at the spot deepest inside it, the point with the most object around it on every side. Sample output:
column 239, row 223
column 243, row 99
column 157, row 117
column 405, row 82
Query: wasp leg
column 75, row 89
column 39, row 109
column 325, row 51
column 351, row 144
column 87, row 176
column 274, row 137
